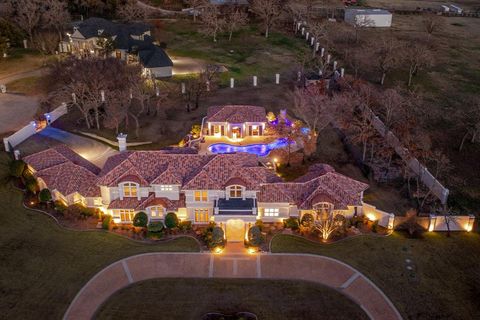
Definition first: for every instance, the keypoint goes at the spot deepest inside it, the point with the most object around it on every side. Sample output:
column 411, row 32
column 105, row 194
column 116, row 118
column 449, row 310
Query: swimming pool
column 260, row 149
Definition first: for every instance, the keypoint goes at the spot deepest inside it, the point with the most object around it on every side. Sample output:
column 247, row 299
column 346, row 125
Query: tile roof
column 236, row 114
column 321, row 182
column 57, row 155
column 151, row 200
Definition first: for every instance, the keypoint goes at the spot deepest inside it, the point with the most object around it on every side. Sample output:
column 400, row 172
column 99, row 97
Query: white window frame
column 201, row 215
column 271, row 212
column 202, row 195
column 122, row 213
column 157, row 212
column 131, row 186
column 236, row 190
column 166, row 187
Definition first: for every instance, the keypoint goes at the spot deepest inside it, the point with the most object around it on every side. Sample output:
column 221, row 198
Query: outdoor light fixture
column 371, row 217
column 218, row 250
column 252, row 250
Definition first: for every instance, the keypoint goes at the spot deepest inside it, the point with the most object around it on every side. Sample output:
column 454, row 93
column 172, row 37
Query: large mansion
column 132, row 43
column 230, row 189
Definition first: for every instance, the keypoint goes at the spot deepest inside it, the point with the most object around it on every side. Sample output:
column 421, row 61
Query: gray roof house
column 133, row 43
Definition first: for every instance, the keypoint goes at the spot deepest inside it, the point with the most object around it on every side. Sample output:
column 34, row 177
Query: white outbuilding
column 376, row 18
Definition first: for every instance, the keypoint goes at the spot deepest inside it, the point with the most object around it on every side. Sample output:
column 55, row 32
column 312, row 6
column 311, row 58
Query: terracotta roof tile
column 236, row 114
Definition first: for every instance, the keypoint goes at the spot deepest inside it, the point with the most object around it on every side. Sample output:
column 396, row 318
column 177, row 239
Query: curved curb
column 122, row 273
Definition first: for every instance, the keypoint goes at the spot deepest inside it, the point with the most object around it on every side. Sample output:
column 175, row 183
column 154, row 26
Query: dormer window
column 130, row 189
column 201, row 196
column 235, row 191
column 166, row 187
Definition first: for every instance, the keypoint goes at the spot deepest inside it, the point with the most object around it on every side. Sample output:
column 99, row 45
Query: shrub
column 107, row 220
column 185, row 225
column 31, row 185
column 155, row 229
column 307, row 220
column 259, row 223
column 17, row 167
column 291, row 223
column 60, row 206
column 171, row 220
column 45, row 196
column 140, row 219
column 78, row 211
column 213, row 236
column 255, row 237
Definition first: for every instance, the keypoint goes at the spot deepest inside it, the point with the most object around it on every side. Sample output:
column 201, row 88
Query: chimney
column 122, row 142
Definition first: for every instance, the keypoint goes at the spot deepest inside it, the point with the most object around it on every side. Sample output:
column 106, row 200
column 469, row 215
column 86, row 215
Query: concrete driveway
column 16, row 111
column 185, row 65
column 323, row 270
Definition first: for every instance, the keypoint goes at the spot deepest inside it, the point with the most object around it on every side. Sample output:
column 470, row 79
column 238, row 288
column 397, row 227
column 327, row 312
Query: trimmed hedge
column 255, row 237
column 45, row 196
column 171, row 220
column 291, row 223
column 107, row 220
column 140, row 219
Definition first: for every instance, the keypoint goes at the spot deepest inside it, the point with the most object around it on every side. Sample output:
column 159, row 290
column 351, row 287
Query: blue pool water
column 260, row 149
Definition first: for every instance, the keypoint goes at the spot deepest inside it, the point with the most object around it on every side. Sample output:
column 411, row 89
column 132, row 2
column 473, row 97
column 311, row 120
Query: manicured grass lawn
column 21, row 60
column 29, row 86
column 43, row 266
column 192, row 298
column 444, row 282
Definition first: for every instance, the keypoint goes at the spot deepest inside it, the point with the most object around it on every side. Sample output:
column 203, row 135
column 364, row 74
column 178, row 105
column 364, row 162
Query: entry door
column 235, row 230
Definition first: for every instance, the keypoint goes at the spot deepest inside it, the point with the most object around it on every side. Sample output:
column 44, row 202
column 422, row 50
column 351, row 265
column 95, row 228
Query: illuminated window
column 126, row 215
column 271, row 212
column 201, row 215
column 235, row 191
column 130, row 189
column 166, row 188
column 156, row 212
column 201, row 196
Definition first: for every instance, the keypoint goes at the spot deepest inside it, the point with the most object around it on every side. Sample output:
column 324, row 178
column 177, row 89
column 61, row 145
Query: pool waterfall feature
column 260, row 149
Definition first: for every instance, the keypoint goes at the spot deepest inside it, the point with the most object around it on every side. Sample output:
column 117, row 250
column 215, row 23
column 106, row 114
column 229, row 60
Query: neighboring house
column 368, row 17
column 229, row 189
column 132, row 43
column 235, row 121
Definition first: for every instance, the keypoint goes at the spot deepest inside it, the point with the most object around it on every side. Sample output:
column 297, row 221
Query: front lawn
column 192, row 298
column 444, row 282
column 43, row 266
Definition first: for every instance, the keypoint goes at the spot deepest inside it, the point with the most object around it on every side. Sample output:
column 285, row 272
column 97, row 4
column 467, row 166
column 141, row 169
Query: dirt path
column 318, row 269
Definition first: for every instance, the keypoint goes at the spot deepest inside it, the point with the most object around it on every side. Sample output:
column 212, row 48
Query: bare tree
column 432, row 23
column 197, row 87
column 196, row 5
column 416, row 56
column 319, row 31
column 385, row 55
column 326, row 222
column 236, row 19
column 268, row 11
column 470, row 120
column 213, row 22
column 27, row 14
column 55, row 16
column 361, row 23
column 131, row 11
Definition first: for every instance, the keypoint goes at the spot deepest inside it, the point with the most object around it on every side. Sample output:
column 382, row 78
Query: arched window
column 156, row 212
column 235, row 191
column 130, row 189
column 323, row 209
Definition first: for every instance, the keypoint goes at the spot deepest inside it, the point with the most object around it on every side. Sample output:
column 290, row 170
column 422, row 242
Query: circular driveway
column 322, row 270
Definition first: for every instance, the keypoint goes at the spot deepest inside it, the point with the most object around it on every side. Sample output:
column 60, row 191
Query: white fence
column 425, row 176
column 384, row 219
column 33, row 127
column 452, row 223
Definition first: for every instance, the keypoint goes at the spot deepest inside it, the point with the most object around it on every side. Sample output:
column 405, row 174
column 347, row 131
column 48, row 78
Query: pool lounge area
column 260, row 149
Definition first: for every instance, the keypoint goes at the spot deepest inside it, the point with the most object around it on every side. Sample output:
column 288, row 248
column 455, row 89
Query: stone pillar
column 122, row 142
column 432, row 222
column 183, row 88
column 306, row 36
column 328, row 58
column 334, row 65
column 312, row 39
column 16, row 154
column 25, row 45
column 102, row 94
column 320, row 72
column 322, row 52
column 303, row 31
column 6, row 144
column 342, row 72
column 317, row 46
column 254, row 81
column 277, row 78
column 232, row 83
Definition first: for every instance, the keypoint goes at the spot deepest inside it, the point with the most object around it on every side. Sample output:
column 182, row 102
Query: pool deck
column 243, row 142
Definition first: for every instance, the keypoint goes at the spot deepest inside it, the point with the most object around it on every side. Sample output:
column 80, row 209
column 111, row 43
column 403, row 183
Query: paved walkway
column 319, row 269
